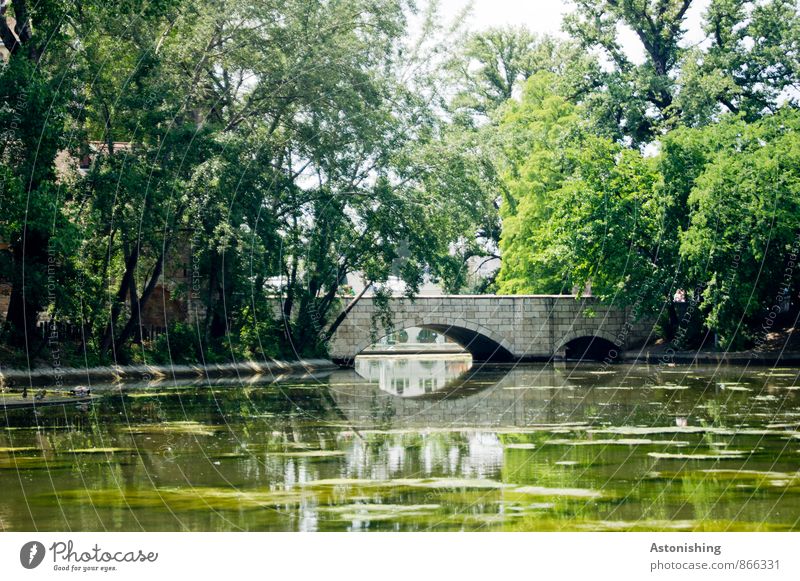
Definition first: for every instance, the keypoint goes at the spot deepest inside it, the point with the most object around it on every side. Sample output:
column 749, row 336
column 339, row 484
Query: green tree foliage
column 541, row 137
column 708, row 213
column 270, row 149
column 742, row 241
column 749, row 57
column 582, row 209
column 753, row 58
column 714, row 214
column 494, row 63
column 488, row 70
column 33, row 124
column 639, row 97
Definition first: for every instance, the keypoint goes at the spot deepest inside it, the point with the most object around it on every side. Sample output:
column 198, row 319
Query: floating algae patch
column 616, row 442
column 554, row 492
column 308, row 454
column 379, row 512
column 552, row 428
column 766, row 475
column 454, row 483
column 538, row 387
column 300, row 445
column 188, row 428
column 32, row 463
column 443, row 483
column 642, row 525
column 380, row 507
column 184, row 499
column 98, row 451
column 144, row 394
column 721, row 455
column 702, row 525
column 533, row 506
column 354, row 482
column 649, row 430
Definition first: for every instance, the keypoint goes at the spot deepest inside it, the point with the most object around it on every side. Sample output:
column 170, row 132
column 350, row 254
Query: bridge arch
column 482, row 343
column 592, row 343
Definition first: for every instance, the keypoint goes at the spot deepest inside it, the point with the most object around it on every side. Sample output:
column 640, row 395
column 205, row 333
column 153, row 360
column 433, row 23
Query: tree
column 497, row 61
column 639, row 98
column 751, row 57
column 539, row 138
column 33, row 125
column 741, row 244
column 582, row 209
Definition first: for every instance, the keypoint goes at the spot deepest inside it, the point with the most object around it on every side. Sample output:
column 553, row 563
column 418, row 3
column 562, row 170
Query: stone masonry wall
column 529, row 327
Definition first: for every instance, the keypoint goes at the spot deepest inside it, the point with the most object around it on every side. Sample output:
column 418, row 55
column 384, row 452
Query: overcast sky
column 544, row 17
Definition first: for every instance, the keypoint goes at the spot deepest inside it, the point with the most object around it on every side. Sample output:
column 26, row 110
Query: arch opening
column 476, row 342
column 480, row 346
column 591, row 348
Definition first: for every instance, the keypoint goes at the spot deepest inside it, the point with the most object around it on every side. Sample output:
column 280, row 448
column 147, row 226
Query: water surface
column 416, row 444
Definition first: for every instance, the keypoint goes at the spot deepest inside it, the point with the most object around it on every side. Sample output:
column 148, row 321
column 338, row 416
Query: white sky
column 544, row 17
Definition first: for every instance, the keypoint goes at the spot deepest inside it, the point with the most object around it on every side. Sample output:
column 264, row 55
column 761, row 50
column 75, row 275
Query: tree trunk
column 343, row 315
column 212, row 283
column 136, row 313
column 21, row 317
column 28, row 255
column 124, row 286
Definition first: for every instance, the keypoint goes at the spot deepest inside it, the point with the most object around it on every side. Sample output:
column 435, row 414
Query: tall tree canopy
column 271, row 149
column 748, row 58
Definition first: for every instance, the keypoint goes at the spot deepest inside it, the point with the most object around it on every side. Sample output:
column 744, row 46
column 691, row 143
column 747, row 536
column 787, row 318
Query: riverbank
column 49, row 377
column 19, row 378
column 666, row 357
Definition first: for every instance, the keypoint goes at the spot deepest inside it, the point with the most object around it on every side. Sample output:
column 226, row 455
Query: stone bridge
column 500, row 328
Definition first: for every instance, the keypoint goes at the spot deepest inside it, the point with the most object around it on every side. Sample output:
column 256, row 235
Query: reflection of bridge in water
column 413, row 376
column 482, row 397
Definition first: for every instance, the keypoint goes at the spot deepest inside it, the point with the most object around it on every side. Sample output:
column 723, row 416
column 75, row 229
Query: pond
column 417, row 443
